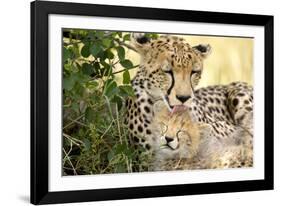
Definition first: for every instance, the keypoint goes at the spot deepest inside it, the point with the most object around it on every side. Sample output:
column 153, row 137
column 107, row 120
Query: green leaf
column 107, row 69
column 110, row 155
column 127, row 89
column 67, row 67
column 106, row 42
column 113, row 34
column 121, row 53
column 127, row 37
column 90, row 114
column 126, row 77
column 127, row 64
column 121, row 168
column 105, row 64
column 85, row 51
column 66, row 53
column 109, row 54
column 152, row 35
column 119, row 101
column 87, row 69
column 75, row 106
column 93, row 83
column 96, row 68
column 99, row 34
column 91, row 34
column 101, row 55
column 69, row 82
column 111, row 89
column 121, row 148
column 130, row 152
column 108, row 72
column 87, row 144
column 95, row 49
column 119, row 34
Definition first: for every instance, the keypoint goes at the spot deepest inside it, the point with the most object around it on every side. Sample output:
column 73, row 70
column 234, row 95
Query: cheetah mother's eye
column 168, row 70
column 195, row 72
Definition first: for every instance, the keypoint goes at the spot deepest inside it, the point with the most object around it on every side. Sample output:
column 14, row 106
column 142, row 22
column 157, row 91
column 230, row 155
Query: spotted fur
column 169, row 71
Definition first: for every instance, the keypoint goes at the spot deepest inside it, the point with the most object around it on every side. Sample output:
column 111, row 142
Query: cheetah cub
column 183, row 143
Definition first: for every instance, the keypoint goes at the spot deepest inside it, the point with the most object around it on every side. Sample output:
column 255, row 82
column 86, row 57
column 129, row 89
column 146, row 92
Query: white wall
column 14, row 102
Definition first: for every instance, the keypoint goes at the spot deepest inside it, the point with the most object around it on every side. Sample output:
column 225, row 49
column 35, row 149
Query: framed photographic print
column 133, row 102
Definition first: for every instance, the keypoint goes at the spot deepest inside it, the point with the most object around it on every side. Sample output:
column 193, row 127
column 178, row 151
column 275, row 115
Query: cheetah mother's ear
column 203, row 49
column 140, row 41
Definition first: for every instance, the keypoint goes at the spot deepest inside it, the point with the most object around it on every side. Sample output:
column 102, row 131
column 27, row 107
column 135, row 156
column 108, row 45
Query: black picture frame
column 40, row 108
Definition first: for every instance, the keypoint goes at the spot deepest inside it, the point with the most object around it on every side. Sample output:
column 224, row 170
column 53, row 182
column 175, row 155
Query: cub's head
column 172, row 67
column 179, row 136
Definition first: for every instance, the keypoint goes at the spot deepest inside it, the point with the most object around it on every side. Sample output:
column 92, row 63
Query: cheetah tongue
column 178, row 108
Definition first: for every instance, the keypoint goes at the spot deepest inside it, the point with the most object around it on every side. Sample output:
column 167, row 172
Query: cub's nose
column 182, row 98
column 168, row 139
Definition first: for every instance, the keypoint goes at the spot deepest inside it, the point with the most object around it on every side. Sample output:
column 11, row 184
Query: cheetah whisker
column 166, row 103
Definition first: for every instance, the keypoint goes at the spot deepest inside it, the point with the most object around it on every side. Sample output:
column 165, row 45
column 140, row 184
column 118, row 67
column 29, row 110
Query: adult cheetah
column 169, row 71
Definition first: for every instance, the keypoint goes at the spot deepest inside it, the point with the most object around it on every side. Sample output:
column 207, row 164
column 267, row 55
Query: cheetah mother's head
column 173, row 68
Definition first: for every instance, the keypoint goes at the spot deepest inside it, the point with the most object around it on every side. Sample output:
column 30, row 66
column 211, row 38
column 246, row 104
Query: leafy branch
column 95, row 136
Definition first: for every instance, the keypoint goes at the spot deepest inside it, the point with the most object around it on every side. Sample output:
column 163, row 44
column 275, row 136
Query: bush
column 95, row 140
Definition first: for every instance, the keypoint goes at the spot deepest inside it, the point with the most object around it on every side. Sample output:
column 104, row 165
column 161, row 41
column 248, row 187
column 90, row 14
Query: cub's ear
column 140, row 41
column 203, row 49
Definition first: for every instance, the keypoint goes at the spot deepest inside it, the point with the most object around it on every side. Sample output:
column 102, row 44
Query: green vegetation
column 95, row 140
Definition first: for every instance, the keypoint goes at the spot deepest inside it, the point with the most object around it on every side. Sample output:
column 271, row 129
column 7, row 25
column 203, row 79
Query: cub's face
column 179, row 136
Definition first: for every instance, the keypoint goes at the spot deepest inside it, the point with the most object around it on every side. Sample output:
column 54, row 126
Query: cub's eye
column 182, row 134
column 163, row 128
